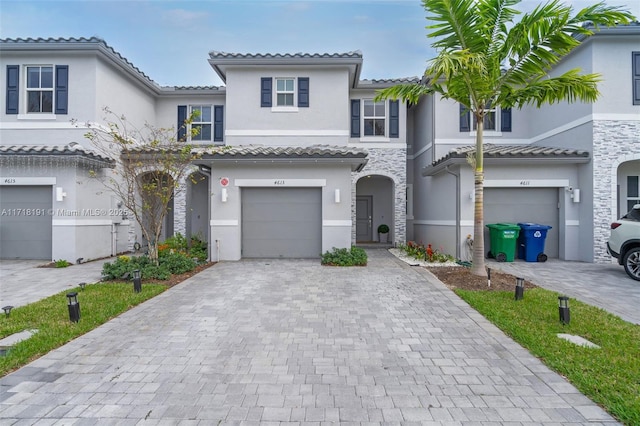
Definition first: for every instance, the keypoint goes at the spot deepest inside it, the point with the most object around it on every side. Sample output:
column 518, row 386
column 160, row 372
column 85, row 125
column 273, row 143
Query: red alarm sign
column 224, row 181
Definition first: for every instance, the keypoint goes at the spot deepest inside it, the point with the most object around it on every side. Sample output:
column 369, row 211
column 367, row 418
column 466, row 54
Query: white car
column 624, row 242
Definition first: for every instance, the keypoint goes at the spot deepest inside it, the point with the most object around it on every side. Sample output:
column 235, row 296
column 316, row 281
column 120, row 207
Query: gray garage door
column 281, row 222
column 514, row 205
column 25, row 222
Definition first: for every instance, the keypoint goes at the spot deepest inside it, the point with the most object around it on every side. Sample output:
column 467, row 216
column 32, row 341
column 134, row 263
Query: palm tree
column 486, row 60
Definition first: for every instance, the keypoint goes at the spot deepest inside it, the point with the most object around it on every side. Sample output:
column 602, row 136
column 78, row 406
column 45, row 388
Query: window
column 489, row 120
column 40, row 89
column 374, row 118
column 633, row 191
column 201, row 121
column 496, row 120
column 285, row 89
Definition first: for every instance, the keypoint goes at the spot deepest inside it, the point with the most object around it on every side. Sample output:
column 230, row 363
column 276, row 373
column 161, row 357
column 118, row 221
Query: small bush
column 169, row 263
column 62, row 263
column 344, row 257
column 426, row 253
column 177, row 263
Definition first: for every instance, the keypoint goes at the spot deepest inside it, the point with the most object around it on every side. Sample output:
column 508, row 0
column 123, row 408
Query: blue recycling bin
column 531, row 242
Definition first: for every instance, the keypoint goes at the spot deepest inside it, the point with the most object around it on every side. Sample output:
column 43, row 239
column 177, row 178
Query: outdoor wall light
column 223, row 195
column 137, row 281
column 563, row 308
column 336, row 196
column 519, row 288
column 7, row 310
column 60, row 194
column 74, row 307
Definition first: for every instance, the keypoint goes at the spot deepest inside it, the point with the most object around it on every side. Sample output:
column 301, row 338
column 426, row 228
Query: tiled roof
column 313, row 151
column 226, row 55
column 73, row 149
column 71, row 41
column 514, row 151
column 520, row 153
column 413, row 79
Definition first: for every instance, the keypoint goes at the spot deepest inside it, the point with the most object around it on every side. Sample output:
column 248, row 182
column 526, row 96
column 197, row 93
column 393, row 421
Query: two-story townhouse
column 571, row 166
column 297, row 132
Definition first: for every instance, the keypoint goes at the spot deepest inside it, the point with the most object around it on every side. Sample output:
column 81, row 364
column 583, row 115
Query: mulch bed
column 458, row 277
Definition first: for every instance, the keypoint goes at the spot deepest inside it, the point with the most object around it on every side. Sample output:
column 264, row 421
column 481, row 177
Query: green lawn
column 98, row 304
column 610, row 376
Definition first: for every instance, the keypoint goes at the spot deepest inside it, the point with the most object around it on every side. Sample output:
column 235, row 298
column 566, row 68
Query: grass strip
column 610, row 376
column 98, row 304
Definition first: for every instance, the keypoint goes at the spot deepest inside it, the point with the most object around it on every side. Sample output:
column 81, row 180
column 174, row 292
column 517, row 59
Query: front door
column 363, row 218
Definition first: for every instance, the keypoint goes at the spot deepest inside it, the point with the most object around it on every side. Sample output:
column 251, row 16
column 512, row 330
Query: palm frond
column 570, row 86
column 456, row 21
column 409, row 92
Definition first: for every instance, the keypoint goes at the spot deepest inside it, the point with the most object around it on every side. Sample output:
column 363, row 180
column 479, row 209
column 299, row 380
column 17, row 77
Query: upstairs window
column 489, row 119
column 374, row 116
column 39, row 89
column 285, row 90
column 495, row 121
column 635, row 69
column 202, row 121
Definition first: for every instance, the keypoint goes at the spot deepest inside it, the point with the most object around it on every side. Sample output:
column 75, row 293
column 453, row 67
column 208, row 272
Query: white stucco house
column 313, row 163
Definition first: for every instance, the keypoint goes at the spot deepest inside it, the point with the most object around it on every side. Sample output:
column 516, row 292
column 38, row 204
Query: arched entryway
column 374, row 207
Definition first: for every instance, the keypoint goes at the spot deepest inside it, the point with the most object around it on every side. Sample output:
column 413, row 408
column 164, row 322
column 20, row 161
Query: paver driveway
column 292, row 341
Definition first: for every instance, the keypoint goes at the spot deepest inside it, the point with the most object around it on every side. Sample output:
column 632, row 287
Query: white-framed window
column 490, row 120
column 374, row 118
column 285, row 92
column 203, row 121
column 633, row 191
column 39, row 88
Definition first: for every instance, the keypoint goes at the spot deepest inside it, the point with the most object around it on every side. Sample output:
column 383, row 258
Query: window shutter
column 303, row 91
column 182, row 117
column 635, row 56
column 465, row 119
column 505, row 119
column 265, row 91
column 394, row 119
column 355, row 118
column 62, row 89
column 218, row 120
column 13, row 78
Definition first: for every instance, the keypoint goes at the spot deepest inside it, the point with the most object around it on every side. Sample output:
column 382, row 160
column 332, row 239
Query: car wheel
column 631, row 262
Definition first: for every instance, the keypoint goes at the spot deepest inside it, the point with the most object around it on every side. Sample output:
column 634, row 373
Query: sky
column 170, row 40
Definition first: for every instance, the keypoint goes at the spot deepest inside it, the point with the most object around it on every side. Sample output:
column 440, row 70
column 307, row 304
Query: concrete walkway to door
column 262, row 342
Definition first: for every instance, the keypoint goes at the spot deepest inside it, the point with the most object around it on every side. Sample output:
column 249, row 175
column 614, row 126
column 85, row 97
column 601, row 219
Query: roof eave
column 432, row 170
column 356, row 163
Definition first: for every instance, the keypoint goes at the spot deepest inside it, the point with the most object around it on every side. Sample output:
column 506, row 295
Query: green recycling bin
column 503, row 238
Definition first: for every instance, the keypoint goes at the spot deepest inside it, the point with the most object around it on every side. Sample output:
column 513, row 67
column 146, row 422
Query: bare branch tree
column 151, row 162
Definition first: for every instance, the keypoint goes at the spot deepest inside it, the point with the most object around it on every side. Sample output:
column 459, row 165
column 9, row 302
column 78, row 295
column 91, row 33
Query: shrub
column 344, row 257
column 177, row 263
column 383, row 229
column 62, row 263
column 426, row 253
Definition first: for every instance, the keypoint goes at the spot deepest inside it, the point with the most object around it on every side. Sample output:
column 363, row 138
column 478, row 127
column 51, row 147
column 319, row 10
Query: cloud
column 183, row 18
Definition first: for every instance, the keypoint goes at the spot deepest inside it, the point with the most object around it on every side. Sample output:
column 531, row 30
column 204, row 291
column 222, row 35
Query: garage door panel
column 518, row 205
column 24, row 236
column 281, row 222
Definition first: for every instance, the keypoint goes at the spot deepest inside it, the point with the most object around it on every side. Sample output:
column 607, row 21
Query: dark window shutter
column 465, row 119
column 635, row 57
column 13, row 79
column 303, row 92
column 62, row 89
column 394, row 119
column 355, row 118
column 218, row 123
column 182, row 117
column 505, row 120
column 265, row 91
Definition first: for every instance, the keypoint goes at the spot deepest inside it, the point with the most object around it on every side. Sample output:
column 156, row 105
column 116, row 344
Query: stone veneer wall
column 180, row 204
column 614, row 142
column 392, row 163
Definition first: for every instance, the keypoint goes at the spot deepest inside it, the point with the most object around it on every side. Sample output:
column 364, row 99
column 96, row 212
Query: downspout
column 457, row 176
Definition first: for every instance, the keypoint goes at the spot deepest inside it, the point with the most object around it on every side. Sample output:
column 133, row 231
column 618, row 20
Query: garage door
column 281, row 222
column 514, row 205
column 25, row 222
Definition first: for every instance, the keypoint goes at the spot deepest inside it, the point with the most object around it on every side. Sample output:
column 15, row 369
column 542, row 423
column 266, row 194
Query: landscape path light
column 563, row 309
column 7, row 310
column 519, row 288
column 74, row 307
column 137, row 281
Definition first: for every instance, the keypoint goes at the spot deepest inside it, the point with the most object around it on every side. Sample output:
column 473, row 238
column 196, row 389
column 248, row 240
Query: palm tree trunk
column 477, row 267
